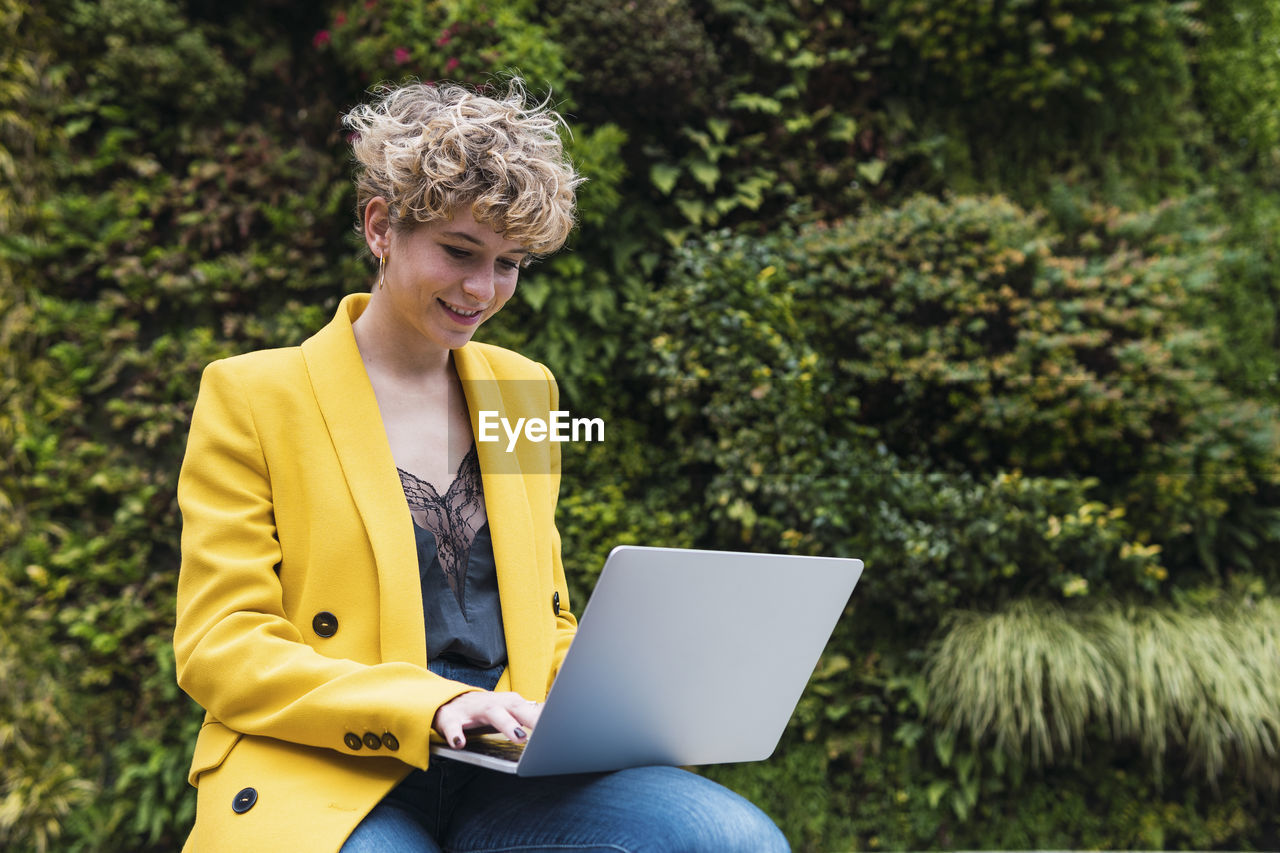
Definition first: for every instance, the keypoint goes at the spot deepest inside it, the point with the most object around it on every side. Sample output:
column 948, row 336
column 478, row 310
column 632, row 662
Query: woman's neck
column 398, row 354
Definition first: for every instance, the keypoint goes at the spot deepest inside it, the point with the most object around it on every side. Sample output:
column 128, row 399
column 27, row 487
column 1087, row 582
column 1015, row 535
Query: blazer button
column 555, row 603
column 325, row 624
column 372, row 741
column 352, row 740
column 390, row 742
column 244, row 800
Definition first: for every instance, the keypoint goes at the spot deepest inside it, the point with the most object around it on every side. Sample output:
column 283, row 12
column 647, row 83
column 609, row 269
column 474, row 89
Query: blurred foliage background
column 984, row 294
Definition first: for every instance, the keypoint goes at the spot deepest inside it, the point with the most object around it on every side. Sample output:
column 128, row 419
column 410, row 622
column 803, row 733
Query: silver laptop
column 682, row 657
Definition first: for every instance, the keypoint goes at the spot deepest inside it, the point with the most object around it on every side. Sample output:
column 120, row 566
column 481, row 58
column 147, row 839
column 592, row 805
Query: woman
column 359, row 576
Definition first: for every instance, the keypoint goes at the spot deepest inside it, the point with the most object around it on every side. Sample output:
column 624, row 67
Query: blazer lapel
column 350, row 411
column 510, row 528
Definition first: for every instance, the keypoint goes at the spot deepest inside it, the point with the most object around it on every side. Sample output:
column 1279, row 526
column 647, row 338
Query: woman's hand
column 510, row 713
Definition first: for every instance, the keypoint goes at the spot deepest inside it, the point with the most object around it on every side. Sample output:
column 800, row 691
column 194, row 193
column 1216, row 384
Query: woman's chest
column 429, row 432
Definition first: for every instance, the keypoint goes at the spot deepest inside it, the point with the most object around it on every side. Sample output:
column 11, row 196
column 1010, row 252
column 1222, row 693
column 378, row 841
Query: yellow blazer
column 299, row 623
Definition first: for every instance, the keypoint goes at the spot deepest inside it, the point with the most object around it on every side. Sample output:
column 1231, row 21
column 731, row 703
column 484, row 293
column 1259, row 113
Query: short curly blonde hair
column 432, row 149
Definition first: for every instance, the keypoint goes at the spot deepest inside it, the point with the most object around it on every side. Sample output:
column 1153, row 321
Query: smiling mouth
column 459, row 313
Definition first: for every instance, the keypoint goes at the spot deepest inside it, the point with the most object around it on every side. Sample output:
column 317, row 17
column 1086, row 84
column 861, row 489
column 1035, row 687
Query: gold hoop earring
column 382, row 270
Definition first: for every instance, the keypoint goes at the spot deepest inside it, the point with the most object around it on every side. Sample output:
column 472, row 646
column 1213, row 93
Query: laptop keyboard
column 495, row 746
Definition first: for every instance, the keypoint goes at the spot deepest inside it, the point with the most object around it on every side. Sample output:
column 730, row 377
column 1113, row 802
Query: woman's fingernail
column 520, row 734
column 457, row 743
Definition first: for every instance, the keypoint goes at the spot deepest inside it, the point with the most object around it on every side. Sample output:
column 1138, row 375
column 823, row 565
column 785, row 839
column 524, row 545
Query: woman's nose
column 479, row 285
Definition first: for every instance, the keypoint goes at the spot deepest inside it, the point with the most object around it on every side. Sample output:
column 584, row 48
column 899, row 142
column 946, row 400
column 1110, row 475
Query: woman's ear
column 377, row 225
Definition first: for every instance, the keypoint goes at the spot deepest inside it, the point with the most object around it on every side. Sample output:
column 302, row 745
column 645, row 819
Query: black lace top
column 455, row 562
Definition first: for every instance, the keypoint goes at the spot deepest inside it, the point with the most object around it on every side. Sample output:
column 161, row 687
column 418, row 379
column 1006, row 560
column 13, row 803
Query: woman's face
column 443, row 279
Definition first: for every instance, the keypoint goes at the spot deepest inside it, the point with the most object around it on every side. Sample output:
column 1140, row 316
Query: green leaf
column 755, row 103
column 872, row 171
column 909, row 733
column 804, row 59
column 693, row 209
column 795, row 124
column 664, row 177
column 77, row 126
column 535, row 292
column 843, row 129
column 706, row 173
column 944, row 745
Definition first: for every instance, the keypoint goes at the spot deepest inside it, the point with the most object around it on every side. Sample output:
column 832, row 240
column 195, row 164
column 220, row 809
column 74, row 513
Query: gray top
column 460, row 601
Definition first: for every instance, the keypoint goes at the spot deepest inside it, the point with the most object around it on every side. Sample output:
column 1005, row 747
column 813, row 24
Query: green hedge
column 1019, row 93
column 1034, row 383
column 988, row 410
column 884, row 385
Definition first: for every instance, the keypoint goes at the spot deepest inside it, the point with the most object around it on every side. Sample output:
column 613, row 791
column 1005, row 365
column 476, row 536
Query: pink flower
column 401, row 56
column 321, row 38
column 369, row 4
column 452, row 63
column 445, row 38
column 340, row 20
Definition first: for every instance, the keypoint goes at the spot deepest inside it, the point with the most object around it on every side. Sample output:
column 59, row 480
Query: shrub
column 1017, row 91
column 866, row 765
column 1195, row 683
column 1238, row 76
column 140, row 257
column 1056, row 55
column 661, row 79
column 799, row 121
column 790, row 462
column 623, row 491
column 467, row 41
column 1048, row 415
column 976, row 336
column 145, row 63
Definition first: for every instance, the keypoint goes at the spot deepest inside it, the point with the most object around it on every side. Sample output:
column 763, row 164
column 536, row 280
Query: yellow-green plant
column 1197, row 685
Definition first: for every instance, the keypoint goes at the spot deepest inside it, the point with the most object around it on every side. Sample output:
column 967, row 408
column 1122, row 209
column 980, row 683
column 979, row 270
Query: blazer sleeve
column 566, row 624
column 237, row 653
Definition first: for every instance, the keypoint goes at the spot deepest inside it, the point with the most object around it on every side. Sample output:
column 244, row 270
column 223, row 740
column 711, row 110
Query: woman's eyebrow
column 462, row 235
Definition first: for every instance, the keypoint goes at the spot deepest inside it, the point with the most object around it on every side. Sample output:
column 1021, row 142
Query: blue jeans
column 460, row 808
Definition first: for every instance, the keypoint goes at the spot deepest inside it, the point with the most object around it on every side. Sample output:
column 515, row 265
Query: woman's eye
column 459, row 253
